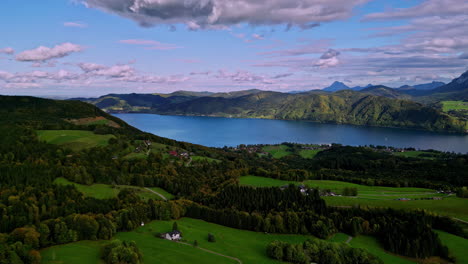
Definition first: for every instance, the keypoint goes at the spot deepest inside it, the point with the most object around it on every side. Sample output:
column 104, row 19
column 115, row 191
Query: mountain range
column 372, row 105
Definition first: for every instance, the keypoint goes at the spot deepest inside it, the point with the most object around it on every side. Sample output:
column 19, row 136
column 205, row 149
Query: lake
column 219, row 132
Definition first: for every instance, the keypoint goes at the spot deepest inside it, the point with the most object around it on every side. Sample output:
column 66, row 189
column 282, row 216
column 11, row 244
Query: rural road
column 160, row 195
column 212, row 252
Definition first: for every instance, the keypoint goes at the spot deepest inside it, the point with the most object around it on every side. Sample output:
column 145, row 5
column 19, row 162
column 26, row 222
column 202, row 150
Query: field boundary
column 212, row 252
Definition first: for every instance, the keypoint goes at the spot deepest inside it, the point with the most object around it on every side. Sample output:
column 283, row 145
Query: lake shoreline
column 224, row 131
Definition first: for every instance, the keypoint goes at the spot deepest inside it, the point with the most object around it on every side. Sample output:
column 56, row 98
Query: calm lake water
column 219, row 132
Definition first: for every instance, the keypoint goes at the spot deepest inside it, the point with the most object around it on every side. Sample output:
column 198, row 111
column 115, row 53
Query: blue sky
column 94, row 47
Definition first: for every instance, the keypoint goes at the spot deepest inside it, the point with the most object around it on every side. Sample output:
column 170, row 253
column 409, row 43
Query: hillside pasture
column 106, row 191
column 376, row 196
column 74, row 139
column 457, row 246
column 277, row 151
column 309, row 153
column 248, row 246
column 454, row 105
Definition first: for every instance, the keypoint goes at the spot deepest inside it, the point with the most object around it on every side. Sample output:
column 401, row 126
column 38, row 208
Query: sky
column 86, row 48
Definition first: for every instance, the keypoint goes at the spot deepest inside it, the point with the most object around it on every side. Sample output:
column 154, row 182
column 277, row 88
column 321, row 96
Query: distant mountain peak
column 336, row 86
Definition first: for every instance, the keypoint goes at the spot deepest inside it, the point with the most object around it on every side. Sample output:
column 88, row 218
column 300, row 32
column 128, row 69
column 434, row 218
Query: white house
column 174, row 235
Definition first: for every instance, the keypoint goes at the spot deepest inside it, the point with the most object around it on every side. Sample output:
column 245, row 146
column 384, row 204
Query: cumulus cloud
column 7, row 50
column 75, row 24
column 197, row 14
column 41, row 54
column 150, row 44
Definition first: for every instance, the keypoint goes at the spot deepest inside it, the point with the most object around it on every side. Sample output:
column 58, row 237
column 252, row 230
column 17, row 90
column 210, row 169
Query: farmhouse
column 174, row 235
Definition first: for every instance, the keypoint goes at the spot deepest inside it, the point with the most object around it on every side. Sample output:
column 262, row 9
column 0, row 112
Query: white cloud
column 75, row 24
column 41, row 54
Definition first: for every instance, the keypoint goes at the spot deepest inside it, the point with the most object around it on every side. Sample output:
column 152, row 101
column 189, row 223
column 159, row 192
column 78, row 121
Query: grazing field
column 201, row 158
column 248, row 246
column 338, row 238
column 454, row 105
column 74, row 253
column 457, row 246
column 377, row 196
column 74, row 139
column 277, row 151
column 105, row 191
column 417, row 154
column 336, row 186
column 450, row 206
column 134, row 155
column 372, row 245
column 256, row 181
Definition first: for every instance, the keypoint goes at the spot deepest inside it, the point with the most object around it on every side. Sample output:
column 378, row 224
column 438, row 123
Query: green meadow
column 277, row 151
column 454, row 105
column 457, row 246
column 450, row 206
column 201, row 158
column 74, row 139
column 309, row 153
column 372, row 245
column 105, row 191
column 417, row 154
column 248, row 246
column 376, row 196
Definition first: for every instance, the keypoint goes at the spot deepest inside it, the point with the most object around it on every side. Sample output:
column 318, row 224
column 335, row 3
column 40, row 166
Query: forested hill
column 343, row 107
column 45, row 113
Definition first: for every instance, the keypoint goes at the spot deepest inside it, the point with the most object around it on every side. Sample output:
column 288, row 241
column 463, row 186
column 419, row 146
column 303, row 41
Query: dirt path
column 463, row 221
column 212, row 252
column 160, row 195
column 349, row 239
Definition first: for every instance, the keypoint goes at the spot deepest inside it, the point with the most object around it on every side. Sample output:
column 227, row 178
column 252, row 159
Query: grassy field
column 309, row 153
column 74, row 139
column 201, row 158
column 248, row 246
column 105, row 191
column 277, row 151
column 417, row 154
column 457, row 246
column 454, row 105
column 372, row 245
column 339, row 238
column 450, row 206
column 78, row 252
column 377, row 196
column 336, row 186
